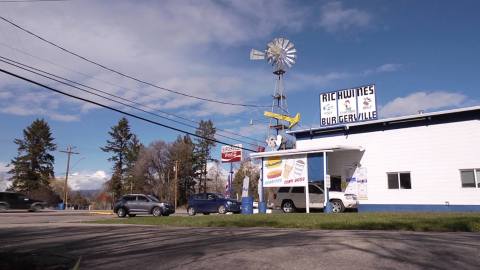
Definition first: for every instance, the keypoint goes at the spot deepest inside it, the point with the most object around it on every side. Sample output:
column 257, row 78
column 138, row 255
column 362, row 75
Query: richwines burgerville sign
column 348, row 105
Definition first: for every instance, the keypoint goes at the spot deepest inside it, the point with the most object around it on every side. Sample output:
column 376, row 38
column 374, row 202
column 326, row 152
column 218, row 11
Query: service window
column 399, row 180
column 298, row 190
column 470, row 178
column 284, row 190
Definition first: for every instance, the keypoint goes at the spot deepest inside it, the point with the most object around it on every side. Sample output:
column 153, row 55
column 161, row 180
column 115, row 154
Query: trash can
column 61, row 206
column 247, row 205
column 262, row 207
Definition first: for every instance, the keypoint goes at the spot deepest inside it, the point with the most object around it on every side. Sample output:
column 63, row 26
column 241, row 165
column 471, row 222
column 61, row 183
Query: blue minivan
column 207, row 203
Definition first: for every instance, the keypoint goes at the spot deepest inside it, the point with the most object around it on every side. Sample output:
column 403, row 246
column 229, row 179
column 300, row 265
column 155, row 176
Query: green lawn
column 439, row 222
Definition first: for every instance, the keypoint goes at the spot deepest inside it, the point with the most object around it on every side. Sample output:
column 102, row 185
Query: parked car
column 133, row 204
column 13, row 200
column 207, row 203
column 291, row 198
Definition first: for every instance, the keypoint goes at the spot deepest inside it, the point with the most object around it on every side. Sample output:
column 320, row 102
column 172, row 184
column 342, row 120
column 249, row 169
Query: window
column 298, row 190
column 314, row 189
column 129, row 198
column 284, row 190
column 399, row 180
column 142, row 199
column 470, row 178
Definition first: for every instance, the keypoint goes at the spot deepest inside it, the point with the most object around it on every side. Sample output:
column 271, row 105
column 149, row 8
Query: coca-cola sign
column 231, row 154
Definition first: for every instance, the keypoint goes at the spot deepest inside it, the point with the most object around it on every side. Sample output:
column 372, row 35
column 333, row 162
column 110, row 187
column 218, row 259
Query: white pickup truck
column 291, row 198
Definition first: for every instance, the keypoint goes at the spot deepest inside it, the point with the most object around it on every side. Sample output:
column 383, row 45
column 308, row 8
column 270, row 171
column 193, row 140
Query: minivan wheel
column 337, row 206
column 191, row 211
column 156, row 212
column 3, row 207
column 222, row 210
column 121, row 212
column 288, row 207
column 37, row 208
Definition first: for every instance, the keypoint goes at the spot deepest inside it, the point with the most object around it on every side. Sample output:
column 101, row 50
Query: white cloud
column 334, row 17
column 383, row 69
column 87, row 180
column 426, row 101
column 4, row 183
column 175, row 44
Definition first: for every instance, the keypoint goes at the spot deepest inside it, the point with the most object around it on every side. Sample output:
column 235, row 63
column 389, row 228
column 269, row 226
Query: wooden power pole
column 69, row 152
column 176, row 184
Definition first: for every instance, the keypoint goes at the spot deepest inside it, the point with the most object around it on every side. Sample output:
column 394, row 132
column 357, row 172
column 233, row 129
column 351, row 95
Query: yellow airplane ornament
column 292, row 120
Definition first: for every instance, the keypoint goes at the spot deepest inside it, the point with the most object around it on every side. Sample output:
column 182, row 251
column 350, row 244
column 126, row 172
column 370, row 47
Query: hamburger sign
column 285, row 171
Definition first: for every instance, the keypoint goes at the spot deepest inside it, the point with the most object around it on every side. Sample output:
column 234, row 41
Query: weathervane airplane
column 292, row 120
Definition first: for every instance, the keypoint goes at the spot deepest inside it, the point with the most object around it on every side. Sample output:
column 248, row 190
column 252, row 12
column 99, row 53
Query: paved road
column 148, row 247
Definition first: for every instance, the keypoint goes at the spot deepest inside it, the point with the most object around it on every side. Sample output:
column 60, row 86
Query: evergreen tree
column 33, row 165
column 124, row 146
column 181, row 151
column 202, row 151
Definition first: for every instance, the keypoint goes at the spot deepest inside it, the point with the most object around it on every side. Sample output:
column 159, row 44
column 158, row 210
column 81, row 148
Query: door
column 212, row 203
column 316, row 196
column 16, row 201
column 201, row 204
column 142, row 204
column 298, row 197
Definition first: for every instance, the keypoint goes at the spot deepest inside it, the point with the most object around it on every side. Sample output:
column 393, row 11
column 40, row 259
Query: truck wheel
column 337, row 206
column 3, row 207
column 288, row 206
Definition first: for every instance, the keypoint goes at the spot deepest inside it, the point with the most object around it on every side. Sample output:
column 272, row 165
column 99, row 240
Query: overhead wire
column 34, row 71
column 126, row 75
column 134, row 102
column 118, row 110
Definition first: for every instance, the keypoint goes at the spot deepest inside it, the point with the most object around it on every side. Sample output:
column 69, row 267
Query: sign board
column 328, row 182
column 348, row 105
column 285, row 171
column 231, row 154
column 357, row 182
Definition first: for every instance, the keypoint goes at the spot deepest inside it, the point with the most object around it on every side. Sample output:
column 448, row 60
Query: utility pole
column 69, row 152
column 176, row 183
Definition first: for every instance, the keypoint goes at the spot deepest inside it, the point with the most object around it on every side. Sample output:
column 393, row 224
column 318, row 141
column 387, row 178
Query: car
column 289, row 199
column 14, row 200
column 207, row 203
column 133, row 204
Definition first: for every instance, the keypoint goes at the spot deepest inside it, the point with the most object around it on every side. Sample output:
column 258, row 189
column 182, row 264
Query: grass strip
column 435, row 222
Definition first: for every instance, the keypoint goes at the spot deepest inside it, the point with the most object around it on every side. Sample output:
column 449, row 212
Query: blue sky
column 420, row 54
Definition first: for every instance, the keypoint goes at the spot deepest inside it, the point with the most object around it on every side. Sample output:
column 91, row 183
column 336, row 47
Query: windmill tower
column 281, row 54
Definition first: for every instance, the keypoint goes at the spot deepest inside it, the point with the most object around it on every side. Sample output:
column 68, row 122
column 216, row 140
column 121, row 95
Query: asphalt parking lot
column 53, row 240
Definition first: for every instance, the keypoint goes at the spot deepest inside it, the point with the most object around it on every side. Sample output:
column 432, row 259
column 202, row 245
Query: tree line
column 136, row 168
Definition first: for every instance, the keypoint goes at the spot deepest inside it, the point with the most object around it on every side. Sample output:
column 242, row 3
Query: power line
column 118, row 110
column 23, row 1
column 92, row 77
column 126, row 75
column 29, row 69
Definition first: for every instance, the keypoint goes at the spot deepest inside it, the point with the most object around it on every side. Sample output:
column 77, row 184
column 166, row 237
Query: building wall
column 432, row 154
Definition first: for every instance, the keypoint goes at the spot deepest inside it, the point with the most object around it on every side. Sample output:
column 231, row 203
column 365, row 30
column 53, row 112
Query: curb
column 100, row 213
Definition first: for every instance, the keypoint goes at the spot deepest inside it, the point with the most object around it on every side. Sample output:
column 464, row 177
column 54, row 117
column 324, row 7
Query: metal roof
column 399, row 119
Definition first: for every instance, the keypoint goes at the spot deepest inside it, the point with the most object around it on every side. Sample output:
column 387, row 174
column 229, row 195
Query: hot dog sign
column 285, row 171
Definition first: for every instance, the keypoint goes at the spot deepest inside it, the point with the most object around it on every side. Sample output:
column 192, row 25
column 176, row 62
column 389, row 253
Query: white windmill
column 281, row 53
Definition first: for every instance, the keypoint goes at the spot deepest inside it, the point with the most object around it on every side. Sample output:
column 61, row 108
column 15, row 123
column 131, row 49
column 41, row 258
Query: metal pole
column 325, row 187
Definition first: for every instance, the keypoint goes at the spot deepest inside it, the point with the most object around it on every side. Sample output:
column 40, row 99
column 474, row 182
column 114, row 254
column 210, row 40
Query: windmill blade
column 257, row 55
column 285, row 43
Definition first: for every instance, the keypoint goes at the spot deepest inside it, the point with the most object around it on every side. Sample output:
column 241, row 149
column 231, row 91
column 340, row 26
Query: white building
column 424, row 162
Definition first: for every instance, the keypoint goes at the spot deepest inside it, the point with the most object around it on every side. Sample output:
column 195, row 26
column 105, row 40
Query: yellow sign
column 292, row 120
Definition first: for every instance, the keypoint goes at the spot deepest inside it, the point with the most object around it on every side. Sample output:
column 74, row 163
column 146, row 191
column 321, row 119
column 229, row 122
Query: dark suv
column 13, row 200
column 207, row 203
column 133, row 204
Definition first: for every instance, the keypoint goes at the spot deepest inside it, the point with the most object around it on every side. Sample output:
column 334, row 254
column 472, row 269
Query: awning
column 291, row 152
